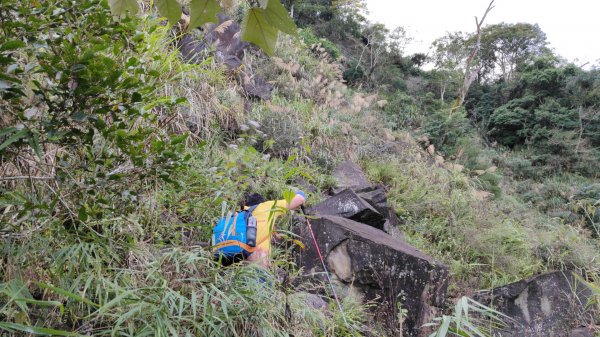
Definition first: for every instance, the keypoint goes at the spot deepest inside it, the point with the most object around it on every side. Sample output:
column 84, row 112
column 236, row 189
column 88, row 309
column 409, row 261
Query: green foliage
column 354, row 73
column 470, row 318
column 117, row 181
column 508, row 46
column 85, row 241
column 121, row 8
column 278, row 17
column 169, row 9
column 103, row 117
column 501, row 240
column 445, row 129
column 258, row 31
column 310, row 39
column 546, row 110
column 260, row 26
column 335, row 20
column 203, row 11
column 402, row 111
column 161, row 293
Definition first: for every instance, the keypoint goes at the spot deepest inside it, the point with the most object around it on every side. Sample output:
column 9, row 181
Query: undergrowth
column 108, row 197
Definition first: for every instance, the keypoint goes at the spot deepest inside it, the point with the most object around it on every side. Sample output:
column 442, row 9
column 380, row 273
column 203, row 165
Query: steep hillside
column 118, row 156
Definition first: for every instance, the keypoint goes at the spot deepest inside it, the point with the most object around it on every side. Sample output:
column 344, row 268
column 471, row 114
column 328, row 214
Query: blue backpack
column 229, row 235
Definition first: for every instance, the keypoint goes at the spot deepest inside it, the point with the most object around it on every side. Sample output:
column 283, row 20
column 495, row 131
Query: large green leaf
column 258, row 30
column 279, row 18
column 121, row 7
column 170, row 9
column 203, row 11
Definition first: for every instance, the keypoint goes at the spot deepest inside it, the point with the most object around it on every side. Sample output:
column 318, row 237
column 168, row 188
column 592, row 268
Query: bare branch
column 469, row 74
column 26, row 177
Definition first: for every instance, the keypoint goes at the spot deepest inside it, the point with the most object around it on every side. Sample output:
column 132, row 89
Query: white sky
column 572, row 27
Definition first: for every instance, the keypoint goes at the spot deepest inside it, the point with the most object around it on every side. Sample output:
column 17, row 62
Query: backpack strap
column 249, row 212
column 230, row 243
column 235, row 216
column 244, row 246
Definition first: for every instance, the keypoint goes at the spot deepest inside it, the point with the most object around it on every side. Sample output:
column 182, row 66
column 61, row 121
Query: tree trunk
column 470, row 75
column 580, row 115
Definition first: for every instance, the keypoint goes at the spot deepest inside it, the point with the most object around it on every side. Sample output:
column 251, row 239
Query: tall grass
column 487, row 243
column 162, row 293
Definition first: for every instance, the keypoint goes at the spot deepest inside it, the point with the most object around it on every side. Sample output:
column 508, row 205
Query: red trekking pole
column 324, row 267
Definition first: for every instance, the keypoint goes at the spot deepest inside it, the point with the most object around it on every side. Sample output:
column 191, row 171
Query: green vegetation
column 116, row 159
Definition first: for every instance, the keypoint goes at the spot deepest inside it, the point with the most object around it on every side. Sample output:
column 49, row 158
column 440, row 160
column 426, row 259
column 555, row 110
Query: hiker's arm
column 297, row 201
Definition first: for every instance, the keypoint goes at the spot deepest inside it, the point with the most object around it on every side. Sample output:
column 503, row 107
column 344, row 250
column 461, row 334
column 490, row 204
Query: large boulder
column 349, row 175
column 379, row 267
column 348, row 204
column 376, row 196
column 229, row 49
column 550, row 305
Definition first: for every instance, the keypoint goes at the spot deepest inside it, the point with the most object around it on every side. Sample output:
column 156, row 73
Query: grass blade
column 35, row 330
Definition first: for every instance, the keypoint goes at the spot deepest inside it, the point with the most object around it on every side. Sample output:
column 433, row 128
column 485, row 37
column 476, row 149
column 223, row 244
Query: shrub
column 311, row 39
column 354, row 73
column 445, row 129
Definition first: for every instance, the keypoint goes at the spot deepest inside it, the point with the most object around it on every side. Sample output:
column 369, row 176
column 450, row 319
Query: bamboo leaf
column 170, row 9
column 258, row 30
column 15, row 137
column 66, row 293
column 12, row 45
column 443, row 330
column 7, row 131
column 203, row 11
column 39, row 303
column 116, row 301
column 279, row 18
column 121, row 8
column 34, row 330
column 34, row 142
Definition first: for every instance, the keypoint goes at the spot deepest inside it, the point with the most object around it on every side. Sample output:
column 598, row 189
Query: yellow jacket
column 266, row 213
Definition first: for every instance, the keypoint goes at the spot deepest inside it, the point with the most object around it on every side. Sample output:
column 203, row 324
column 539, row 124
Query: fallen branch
column 26, row 177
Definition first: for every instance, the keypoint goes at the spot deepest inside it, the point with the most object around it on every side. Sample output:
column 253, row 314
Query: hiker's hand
column 298, row 200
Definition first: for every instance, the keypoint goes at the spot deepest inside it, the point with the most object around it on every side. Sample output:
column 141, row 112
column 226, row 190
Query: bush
column 354, row 73
column 93, row 124
column 311, row 39
column 402, row 111
column 445, row 129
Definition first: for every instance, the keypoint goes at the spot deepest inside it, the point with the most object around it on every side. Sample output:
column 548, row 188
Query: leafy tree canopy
column 261, row 25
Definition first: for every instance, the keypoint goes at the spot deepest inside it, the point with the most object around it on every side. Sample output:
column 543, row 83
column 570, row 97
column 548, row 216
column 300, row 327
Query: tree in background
column 449, row 54
column 506, row 46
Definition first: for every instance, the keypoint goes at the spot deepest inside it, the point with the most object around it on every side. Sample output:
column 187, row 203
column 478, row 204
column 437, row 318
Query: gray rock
column 257, row 87
column 225, row 38
column 191, row 49
column 583, row 332
column 546, row 305
column 349, row 175
column 348, row 204
column 315, row 301
column 378, row 267
column 375, row 195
